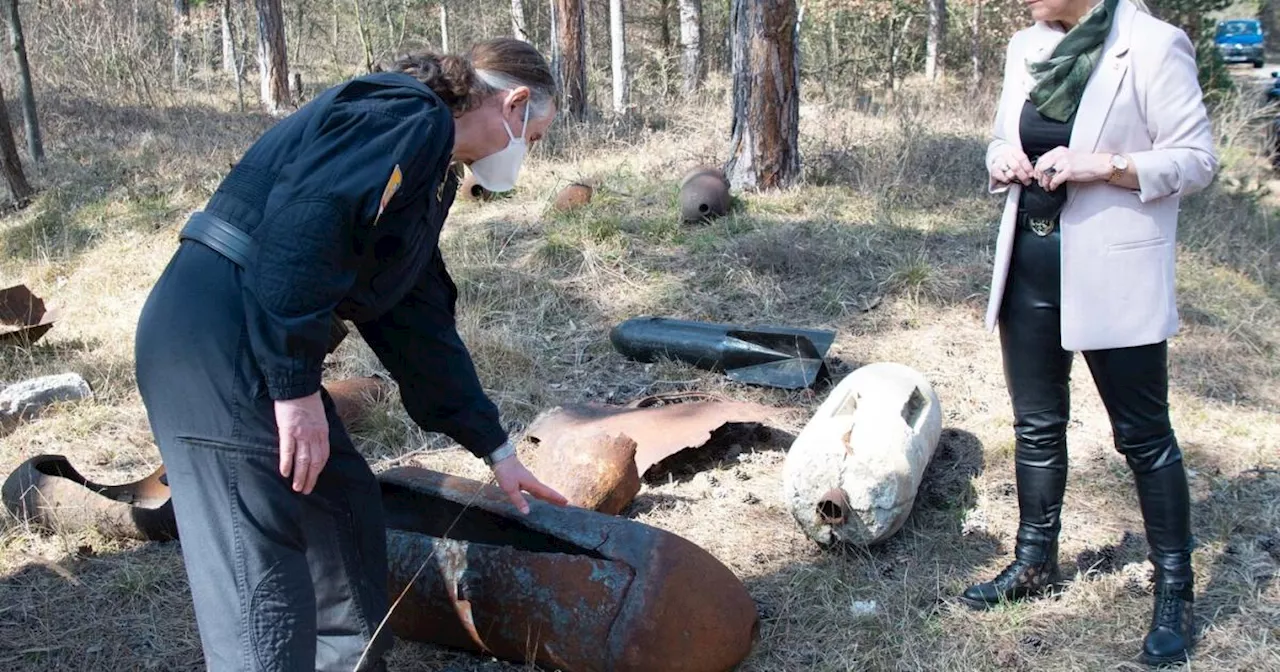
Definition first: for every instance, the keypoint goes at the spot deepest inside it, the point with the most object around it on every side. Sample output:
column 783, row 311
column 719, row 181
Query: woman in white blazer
column 1100, row 131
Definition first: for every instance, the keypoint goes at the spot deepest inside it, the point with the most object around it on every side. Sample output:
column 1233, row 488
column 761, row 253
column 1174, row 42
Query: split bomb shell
column 704, row 194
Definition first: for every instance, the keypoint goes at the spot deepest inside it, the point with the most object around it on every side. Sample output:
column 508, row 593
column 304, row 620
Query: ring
column 1050, row 171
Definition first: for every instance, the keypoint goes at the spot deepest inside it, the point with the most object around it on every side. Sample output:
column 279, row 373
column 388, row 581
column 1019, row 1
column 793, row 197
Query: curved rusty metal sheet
column 48, row 492
column 592, row 471
column 566, row 587
column 660, row 425
column 24, row 319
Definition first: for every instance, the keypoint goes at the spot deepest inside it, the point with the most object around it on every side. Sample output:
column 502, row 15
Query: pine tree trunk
column 273, row 61
column 977, row 43
column 664, row 25
column 10, row 164
column 618, row 39
column 26, row 91
column 764, row 152
column 181, row 26
column 572, row 67
column 691, row 44
column 933, row 44
column 228, row 39
column 519, row 29
column 444, row 26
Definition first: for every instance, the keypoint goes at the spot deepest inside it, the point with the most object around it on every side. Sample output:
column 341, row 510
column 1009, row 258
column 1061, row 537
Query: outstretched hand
column 513, row 478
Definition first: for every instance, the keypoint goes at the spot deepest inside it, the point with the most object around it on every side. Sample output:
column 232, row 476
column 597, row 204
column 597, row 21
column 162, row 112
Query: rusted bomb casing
column 563, row 587
column 594, row 471
column 24, row 318
column 47, row 492
column 853, row 471
column 704, row 194
column 572, row 197
column 472, row 191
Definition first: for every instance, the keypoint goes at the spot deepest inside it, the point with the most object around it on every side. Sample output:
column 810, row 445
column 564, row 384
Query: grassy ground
column 889, row 242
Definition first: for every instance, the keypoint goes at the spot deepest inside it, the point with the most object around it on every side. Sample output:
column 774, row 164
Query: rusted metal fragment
column 784, row 357
column 353, row 397
column 472, row 191
column 563, row 587
column 573, row 196
column 704, row 194
column 593, row 471
column 46, row 491
column 24, row 318
column 660, row 425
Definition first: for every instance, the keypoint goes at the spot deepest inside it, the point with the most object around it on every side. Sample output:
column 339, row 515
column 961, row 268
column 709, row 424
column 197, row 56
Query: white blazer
column 1143, row 100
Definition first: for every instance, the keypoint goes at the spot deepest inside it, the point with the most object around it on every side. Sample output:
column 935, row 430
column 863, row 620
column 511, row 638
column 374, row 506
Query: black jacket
column 308, row 192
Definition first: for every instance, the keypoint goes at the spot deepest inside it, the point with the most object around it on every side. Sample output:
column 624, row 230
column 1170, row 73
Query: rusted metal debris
column 563, row 587
column 24, row 318
column 593, row 471
column 573, row 196
column 472, row 191
column 47, row 492
column 784, row 357
column 704, row 194
column 568, row 436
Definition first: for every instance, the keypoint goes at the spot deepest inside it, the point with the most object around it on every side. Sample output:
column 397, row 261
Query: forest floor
column 889, row 242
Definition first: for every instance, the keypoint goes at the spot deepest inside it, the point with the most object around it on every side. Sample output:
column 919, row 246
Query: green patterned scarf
column 1060, row 81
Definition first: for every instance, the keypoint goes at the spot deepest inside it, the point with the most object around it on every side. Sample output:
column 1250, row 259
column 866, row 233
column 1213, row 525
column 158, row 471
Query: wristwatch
column 500, row 453
column 1119, row 165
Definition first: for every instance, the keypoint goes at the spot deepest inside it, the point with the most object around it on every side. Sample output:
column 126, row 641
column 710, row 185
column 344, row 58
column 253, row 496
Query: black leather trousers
column 1133, row 385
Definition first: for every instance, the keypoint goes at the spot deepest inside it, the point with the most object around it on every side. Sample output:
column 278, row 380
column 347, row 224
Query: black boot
column 1166, row 513
column 1042, row 480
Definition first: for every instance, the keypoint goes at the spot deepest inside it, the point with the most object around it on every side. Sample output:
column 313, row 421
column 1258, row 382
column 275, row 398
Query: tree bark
column 181, row 26
column 519, row 25
column 228, row 39
column 618, row 39
column 691, row 44
column 933, row 44
column 571, row 69
column 764, row 152
column 273, row 60
column 977, row 43
column 26, row 91
column 444, row 26
column 10, row 163
column 664, row 25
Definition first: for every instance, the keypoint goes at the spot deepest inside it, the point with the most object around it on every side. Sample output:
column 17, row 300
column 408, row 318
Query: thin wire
column 416, row 574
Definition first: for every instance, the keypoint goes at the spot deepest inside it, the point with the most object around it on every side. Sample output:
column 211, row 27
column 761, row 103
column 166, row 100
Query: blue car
column 1241, row 41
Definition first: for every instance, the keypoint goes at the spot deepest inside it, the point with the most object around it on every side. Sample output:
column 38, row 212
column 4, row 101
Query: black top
column 1039, row 135
column 308, row 193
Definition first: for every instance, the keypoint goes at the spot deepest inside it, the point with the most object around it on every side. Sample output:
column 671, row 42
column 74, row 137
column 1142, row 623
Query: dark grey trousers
column 281, row 581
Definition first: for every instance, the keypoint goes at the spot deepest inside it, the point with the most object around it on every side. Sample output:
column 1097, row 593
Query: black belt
column 226, row 239
column 1041, row 226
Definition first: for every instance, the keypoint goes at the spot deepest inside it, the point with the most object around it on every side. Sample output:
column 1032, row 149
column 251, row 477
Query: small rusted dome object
column 573, row 196
column 472, row 191
column 704, row 194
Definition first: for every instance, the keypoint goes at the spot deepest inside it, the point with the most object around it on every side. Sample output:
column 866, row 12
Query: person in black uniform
column 335, row 212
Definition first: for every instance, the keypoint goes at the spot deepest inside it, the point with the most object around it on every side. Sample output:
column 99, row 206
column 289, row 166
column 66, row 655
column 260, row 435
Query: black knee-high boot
column 1041, row 474
column 1166, row 506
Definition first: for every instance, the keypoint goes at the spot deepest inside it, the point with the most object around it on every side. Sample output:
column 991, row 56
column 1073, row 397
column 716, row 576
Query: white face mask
column 498, row 171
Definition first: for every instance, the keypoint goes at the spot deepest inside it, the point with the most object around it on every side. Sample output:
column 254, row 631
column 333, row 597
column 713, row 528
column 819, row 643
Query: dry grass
column 888, row 241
